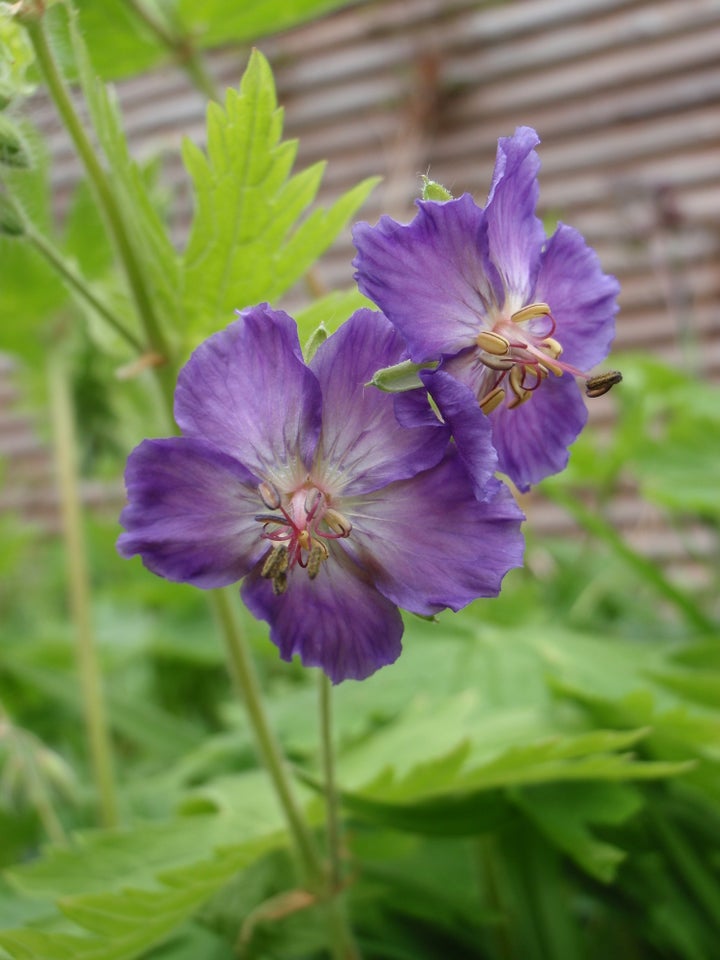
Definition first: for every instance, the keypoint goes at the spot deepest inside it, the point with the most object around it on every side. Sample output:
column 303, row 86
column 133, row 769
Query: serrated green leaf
column 130, row 889
column 148, row 236
column 245, row 244
column 565, row 813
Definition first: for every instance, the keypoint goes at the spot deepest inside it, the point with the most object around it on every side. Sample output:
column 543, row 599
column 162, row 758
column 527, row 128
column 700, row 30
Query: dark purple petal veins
column 191, row 512
column 337, row 621
column 247, row 390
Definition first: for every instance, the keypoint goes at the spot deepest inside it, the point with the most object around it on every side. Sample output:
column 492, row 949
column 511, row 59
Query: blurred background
column 550, row 759
column 625, row 95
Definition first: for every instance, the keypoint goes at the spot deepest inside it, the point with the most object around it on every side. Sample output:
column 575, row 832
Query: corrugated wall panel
column 624, row 93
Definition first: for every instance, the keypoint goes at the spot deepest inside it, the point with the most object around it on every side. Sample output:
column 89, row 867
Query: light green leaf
column 130, row 889
column 564, row 815
column 148, row 235
column 216, row 21
column 246, row 245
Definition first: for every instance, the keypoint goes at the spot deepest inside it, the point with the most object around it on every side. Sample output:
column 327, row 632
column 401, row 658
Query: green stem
column 331, row 796
column 245, row 677
column 78, row 284
column 79, row 592
column 596, row 524
column 180, row 46
column 103, row 189
column 343, row 943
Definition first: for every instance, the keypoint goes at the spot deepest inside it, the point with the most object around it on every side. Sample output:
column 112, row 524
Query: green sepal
column 11, row 222
column 431, row 190
column 400, row 376
column 13, row 149
column 318, row 336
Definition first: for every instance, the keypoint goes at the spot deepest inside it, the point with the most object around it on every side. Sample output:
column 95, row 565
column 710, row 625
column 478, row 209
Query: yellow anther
column 269, row 495
column 493, row 343
column 337, row 522
column 553, row 347
column 304, row 540
column 318, row 554
column 552, row 367
column 530, row 312
column 279, row 583
column 519, row 401
column 492, row 400
column 516, row 379
column 276, row 563
column 497, row 363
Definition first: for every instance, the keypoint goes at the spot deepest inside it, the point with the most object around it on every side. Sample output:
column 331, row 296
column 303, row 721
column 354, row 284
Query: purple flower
column 301, row 480
column 486, row 292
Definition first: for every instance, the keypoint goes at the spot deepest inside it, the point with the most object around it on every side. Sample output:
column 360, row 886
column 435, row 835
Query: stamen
column 549, row 365
column 276, row 563
column 497, row 363
column 269, row 495
column 553, row 347
column 491, row 401
column 493, row 343
column 530, row 312
column 318, row 555
column 279, row 584
column 598, row 386
column 517, row 380
column 337, row 522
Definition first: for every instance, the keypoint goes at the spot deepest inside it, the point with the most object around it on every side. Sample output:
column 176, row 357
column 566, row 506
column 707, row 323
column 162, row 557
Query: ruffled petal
column 532, row 440
column 191, row 513
column 515, row 234
column 430, row 544
column 247, row 390
column 429, row 277
column 469, row 426
column 338, row 621
column 581, row 297
column 362, row 445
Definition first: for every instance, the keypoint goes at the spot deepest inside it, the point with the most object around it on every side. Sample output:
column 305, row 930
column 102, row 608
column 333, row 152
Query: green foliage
column 537, row 778
column 246, row 244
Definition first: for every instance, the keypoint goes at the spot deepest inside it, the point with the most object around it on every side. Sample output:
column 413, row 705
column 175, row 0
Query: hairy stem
column 246, row 680
column 79, row 593
column 343, row 944
column 77, row 284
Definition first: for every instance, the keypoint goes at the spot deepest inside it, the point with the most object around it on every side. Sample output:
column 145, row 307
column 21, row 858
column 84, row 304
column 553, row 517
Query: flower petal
column 431, row 544
column 430, row 276
column 247, row 390
column 338, row 621
column 191, row 513
column 515, row 234
column 362, row 445
column 581, row 298
column 469, row 426
column 532, row 440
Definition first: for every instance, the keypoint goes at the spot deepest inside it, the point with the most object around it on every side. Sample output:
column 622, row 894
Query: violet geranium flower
column 488, row 294
column 300, row 479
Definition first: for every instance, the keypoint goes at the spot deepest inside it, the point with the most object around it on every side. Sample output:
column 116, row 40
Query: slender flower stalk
column 78, row 284
column 245, row 678
column 332, row 818
column 91, row 685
